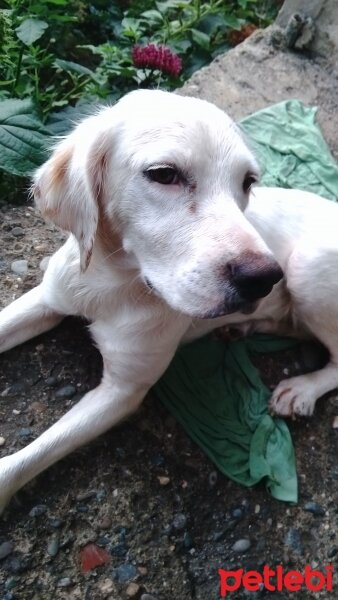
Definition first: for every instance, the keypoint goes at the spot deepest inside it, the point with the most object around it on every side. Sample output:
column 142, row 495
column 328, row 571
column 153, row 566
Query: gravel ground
column 163, row 521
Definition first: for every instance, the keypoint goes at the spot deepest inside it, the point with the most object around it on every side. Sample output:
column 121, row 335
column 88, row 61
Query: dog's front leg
column 26, row 317
column 131, row 366
column 96, row 412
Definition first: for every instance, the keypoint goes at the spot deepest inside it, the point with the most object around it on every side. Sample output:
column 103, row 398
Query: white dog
column 165, row 246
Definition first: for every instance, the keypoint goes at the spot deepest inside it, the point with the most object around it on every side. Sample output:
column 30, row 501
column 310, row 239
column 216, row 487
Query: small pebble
column 106, row 586
column 55, row 522
column 293, row 540
column 163, row 480
column 64, row 582
column 314, row 508
column 105, row 523
column 179, row 521
column 17, row 231
column 147, row 597
column 51, row 381
column 67, row 391
column 6, row 548
column 25, row 432
column 53, row 546
column 335, row 423
column 2, row 441
column 237, row 513
column 125, row 572
column 38, row 510
column 85, row 496
column 133, row 590
column 241, row 545
column 20, row 267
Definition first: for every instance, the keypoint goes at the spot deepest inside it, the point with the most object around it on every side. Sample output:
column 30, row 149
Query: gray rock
column 51, row 381
column 293, row 540
column 20, row 267
column 314, row 508
column 17, row 231
column 64, row 582
column 179, row 522
column 67, row 391
column 244, row 80
column 25, row 432
column 6, row 548
column 125, row 572
column 241, row 545
column 55, row 522
column 38, row 510
column 53, row 546
column 237, row 513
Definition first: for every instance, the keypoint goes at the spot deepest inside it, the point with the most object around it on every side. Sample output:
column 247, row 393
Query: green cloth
column 212, row 387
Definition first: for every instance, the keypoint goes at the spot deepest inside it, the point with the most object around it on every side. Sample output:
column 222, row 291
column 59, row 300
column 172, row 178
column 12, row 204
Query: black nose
column 255, row 278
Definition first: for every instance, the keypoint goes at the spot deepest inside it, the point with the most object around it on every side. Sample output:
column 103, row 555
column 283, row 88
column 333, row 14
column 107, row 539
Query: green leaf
column 244, row 3
column 72, row 67
column 61, row 122
column 180, row 46
column 233, row 22
column 23, row 137
column 167, row 5
column 200, row 38
column 31, row 30
column 212, row 23
column 153, row 16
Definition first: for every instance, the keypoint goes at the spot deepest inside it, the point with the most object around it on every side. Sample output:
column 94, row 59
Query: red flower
column 157, row 57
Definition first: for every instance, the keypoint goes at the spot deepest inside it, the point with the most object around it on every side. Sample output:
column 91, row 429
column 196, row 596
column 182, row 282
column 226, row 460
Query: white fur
column 147, row 263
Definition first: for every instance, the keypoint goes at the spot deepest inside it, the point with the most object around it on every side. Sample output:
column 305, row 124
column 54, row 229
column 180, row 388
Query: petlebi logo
column 276, row 579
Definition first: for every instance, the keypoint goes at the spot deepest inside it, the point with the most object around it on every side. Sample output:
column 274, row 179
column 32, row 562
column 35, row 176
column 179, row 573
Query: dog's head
column 165, row 178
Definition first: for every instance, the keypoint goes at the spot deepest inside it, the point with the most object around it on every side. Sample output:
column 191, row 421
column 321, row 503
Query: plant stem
column 18, row 69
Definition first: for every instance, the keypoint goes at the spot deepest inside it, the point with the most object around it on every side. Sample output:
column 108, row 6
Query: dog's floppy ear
column 70, row 185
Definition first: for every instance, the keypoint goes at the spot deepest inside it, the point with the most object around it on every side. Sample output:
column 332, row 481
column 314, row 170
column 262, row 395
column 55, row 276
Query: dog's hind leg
column 298, row 395
column 26, row 317
column 313, row 285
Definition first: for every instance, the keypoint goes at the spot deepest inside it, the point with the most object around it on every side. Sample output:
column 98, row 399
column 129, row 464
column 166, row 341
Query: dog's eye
column 165, row 175
column 248, row 182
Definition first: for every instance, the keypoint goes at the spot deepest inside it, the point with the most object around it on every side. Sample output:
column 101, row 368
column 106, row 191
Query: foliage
column 57, row 55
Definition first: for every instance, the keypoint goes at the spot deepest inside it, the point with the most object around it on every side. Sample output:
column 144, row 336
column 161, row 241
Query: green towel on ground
column 211, row 387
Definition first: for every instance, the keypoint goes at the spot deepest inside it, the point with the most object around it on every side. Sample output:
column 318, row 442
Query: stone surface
column 324, row 13
column 256, row 74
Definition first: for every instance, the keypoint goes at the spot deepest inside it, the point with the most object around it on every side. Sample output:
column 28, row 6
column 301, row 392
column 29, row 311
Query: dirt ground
column 143, row 492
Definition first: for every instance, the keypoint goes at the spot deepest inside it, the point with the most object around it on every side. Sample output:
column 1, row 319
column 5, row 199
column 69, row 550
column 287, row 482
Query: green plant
column 57, row 57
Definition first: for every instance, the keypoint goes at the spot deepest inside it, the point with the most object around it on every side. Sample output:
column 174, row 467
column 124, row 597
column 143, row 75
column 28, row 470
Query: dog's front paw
column 293, row 397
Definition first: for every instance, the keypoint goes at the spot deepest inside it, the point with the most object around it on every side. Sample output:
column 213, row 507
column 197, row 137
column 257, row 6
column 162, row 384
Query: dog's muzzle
column 253, row 281
column 246, row 282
